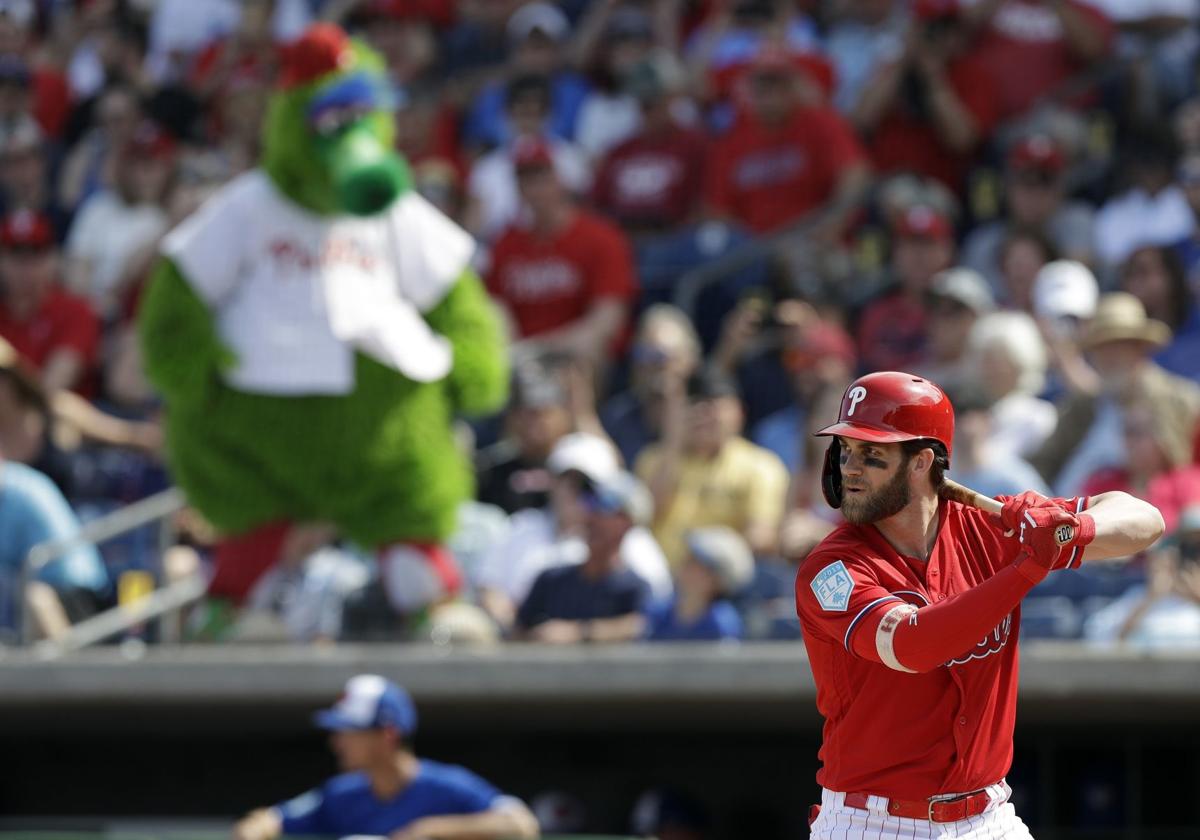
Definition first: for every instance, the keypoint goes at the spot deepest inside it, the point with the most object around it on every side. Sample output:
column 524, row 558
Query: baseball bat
column 956, row 492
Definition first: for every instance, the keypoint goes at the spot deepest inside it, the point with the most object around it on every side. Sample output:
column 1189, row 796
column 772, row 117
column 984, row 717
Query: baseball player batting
column 910, row 612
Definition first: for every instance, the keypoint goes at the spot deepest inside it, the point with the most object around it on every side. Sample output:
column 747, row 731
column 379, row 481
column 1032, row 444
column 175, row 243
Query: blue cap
column 370, row 702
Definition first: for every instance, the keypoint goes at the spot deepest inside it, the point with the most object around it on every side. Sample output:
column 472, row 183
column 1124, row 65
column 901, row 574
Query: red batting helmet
column 887, row 407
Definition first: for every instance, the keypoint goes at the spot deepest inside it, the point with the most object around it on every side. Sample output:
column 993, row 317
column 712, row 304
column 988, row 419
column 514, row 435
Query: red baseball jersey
column 551, row 282
column 910, row 735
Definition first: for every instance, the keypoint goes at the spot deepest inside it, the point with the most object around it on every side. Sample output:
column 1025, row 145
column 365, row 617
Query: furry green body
column 381, row 462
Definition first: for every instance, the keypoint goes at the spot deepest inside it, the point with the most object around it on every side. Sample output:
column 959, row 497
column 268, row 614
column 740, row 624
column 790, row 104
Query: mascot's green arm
column 466, row 316
column 180, row 345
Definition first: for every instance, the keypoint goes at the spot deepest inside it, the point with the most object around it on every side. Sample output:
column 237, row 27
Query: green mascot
column 314, row 329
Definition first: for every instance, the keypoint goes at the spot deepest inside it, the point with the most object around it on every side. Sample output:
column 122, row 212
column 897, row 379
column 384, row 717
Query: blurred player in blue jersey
column 385, row 790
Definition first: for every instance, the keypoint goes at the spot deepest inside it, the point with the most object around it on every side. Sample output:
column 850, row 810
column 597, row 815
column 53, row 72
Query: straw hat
column 1121, row 317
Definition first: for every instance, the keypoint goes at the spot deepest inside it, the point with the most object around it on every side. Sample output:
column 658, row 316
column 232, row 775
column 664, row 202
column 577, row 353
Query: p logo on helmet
column 854, row 396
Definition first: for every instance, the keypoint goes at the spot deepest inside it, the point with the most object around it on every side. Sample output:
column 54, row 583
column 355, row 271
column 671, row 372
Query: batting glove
column 1015, row 507
column 1044, row 532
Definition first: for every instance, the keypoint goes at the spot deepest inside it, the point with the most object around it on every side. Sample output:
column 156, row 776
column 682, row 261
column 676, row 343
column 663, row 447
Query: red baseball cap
column 822, row 339
column 322, row 49
column 1037, row 151
column 923, row 221
column 532, row 153
column 26, row 230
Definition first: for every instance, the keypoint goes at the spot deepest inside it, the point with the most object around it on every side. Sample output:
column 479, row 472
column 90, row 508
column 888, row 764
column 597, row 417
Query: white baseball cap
column 589, row 454
column 1065, row 288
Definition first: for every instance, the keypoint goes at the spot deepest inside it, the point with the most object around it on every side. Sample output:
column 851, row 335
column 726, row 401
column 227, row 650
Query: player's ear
column 922, row 461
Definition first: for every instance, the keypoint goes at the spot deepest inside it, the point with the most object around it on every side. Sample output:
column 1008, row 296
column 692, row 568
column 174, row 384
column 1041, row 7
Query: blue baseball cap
column 370, row 702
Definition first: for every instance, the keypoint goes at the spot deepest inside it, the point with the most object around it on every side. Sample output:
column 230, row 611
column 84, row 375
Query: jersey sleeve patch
column 833, row 586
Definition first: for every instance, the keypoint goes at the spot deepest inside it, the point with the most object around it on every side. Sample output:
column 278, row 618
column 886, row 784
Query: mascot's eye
column 330, row 121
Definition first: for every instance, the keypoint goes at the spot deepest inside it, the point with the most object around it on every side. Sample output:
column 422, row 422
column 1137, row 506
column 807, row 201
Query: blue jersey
column 346, row 804
column 719, row 621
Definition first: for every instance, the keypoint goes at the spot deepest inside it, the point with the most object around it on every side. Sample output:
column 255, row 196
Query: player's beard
column 888, row 500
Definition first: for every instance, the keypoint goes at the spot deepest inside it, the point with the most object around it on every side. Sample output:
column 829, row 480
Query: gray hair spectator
column 1009, row 360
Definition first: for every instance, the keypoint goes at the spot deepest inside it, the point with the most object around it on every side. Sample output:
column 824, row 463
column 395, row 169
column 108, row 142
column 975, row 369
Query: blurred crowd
column 701, row 219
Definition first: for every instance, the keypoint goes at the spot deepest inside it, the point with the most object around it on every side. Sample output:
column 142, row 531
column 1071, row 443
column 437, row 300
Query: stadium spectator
column 1188, row 178
column 611, row 39
column 704, row 473
column 1152, row 210
column 226, row 63
column 652, row 182
column 600, row 599
column 1064, row 296
column 71, row 587
column 54, row 329
column 893, row 328
column 816, row 356
column 106, row 248
column 1158, row 460
column 719, row 565
column 664, row 353
column 930, row 108
column 978, row 462
column 493, row 185
column 385, row 789
column 24, row 174
column 865, row 36
column 1036, row 200
column 736, row 34
column 512, row 474
column 115, row 117
column 565, row 279
column 1163, row 614
column 537, row 33
column 958, row 298
column 1022, row 255
column 1119, row 342
column 1052, row 43
column 29, row 83
column 1155, row 276
column 787, row 155
column 553, row 536
column 1008, row 362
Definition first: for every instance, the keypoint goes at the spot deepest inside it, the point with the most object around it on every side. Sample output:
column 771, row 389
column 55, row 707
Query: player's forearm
column 263, row 824
column 1125, row 525
column 906, row 638
column 511, row 822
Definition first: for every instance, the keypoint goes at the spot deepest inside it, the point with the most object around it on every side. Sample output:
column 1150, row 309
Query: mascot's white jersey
column 295, row 295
